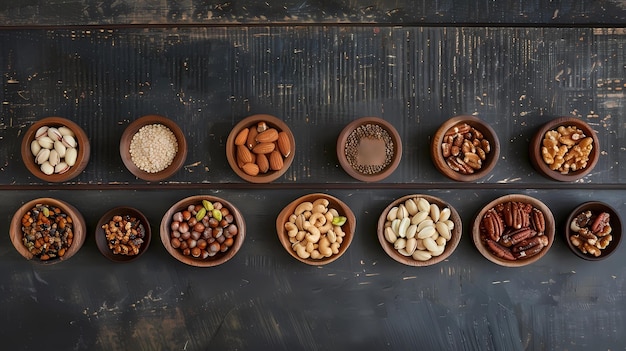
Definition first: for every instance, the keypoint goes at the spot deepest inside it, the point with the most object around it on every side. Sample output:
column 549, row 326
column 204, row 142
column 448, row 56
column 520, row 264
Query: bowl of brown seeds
column 369, row 149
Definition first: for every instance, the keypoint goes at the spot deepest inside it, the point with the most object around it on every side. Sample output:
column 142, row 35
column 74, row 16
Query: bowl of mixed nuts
column 55, row 149
column 47, row 230
column 316, row 229
column 153, row 148
column 465, row 148
column 123, row 234
column 203, row 230
column 593, row 230
column 419, row 230
column 514, row 230
column 369, row 149
column 260, row 148
column 565, row 149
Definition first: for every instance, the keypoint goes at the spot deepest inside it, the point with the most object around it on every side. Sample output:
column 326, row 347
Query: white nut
column 434, row 212
column 390, row 236
column 421, row 255
column 404, row 225
column 443, row 230
column 411, row 206
column 393, row 214
column 400, row 244
column 427, row 232
column 419, row 217
column 402, row 212
column 411, row 231
column 424, row 224
column 411, row 245
column 444, row 215
column 423, row 204
column 430, row 244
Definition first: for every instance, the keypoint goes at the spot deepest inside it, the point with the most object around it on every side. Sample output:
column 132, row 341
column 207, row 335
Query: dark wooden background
column 318, row 65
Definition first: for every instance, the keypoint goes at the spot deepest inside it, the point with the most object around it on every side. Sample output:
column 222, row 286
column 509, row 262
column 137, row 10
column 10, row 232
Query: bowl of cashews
column 316, row 229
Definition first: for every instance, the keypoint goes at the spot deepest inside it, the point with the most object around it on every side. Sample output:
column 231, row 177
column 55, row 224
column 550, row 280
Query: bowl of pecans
column 123, row 234
column 514, row 230
column 465, row 148
column 369, row 149
column 260, row 148
column 203, row 230
column 593, row 230
column 153, row 148
column 55, row 149
column 419, row 230
column 564, row 149
column 47, row 230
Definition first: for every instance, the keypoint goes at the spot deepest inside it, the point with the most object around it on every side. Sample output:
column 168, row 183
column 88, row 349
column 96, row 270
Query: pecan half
column 537, row 221
column 500, row 251
column 492, row 225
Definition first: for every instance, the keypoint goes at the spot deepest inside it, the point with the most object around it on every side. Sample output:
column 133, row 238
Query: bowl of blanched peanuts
column 419, row 230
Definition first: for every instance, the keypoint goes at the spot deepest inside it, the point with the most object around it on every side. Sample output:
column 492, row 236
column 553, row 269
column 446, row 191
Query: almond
column 267, row 136
column 263, row 148
column 242, row 137
column 276, row 160
column 244, row 155
column 251, row 169
column 283, row 144
column 263, row 163
column 251, row 140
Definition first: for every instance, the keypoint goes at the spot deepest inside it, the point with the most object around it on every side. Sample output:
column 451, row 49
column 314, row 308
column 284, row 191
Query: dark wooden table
column 318, row 66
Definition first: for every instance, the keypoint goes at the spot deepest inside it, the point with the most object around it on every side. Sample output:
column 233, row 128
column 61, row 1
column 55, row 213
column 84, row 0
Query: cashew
column 321, row 201
column 313, row 234
column 329, row 223
column 300, row 220
column 292, row 218
column 316, row 255
column 317, row 219
column 310, row 247
column 324, row 247
column 291, row 228
column 301, row 250
column 332, row 237
column 301, row 208
column 337, row 229
column 301, row 234
column 319, row 208
column 333, row 212
column 335, row 247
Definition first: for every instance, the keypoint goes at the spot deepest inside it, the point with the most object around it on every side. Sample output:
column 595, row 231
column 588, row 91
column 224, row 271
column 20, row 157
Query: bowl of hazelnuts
column 593, row 230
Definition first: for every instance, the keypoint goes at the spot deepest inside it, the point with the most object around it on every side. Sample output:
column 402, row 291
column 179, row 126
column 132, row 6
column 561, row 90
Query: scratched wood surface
column 516, row 74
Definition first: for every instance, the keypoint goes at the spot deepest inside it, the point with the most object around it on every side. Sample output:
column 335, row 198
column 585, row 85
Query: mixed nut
column 592, row 232
column 261, row 148
column 465, row 148
column 514, row 230
column 314, row 229
column 203, row 230
column 419, row 229
column 124, row 234
column 47, row 232
column 566, row 149
column 54, row 149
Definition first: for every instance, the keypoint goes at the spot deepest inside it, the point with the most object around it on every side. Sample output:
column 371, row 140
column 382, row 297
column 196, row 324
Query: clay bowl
column 486, row 165
column 385, row 221
column 142, row 226
column 363, row 155
column 347, row 228
column 78, row 230
column 261, row 170
column 133, row 128
column 480, row 241
column 596, row 208
column 219, row 257
column 82, row 155
column 535, row 149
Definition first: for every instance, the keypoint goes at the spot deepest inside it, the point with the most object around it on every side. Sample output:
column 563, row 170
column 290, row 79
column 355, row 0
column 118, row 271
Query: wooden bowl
column 82, row 156
column 333, row 202
column 78, row 229
column 535, row 149
column 269, row 175
column 462, row 173
column 480, row 241
column 363, row 154
column 141, row 222
column 596, row 208
column 133, row 128
column 220, row 257
column 450, row 246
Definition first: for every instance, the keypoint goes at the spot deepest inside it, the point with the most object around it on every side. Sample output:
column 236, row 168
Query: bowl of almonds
column 316, row 229
column 419, row 230
column 123, row 234
column 514, row 230
column 465, row 148
column 564, row 149
column 55, row 149
column 260, row 148
column 593, row 230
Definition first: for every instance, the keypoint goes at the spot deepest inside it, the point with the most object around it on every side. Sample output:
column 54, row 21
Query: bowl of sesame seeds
column 153, row 148
column 369, row 149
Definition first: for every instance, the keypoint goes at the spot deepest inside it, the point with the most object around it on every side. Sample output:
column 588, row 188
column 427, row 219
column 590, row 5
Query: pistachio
column 69, row 141
column 47, row 168
column 35, row 147
column 217, row 214
column 54, row 158
column 42, row 156
column 207, row 205
column 65, row 131
column 339, row 220
column 201, row 213
column 60, row 148
column 70, row 156
column 61, row 168
column 54, row 134
column 41, row 132
column 45, row 142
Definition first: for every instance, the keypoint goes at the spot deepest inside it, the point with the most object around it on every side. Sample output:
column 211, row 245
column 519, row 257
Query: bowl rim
column 129, row 132
column 79, row 229
column 285, row 213
column 615, row 219
column 102, row 244
column 343, row 137
column 536, row 142
column 219, row 258
column 549, row 232
column 83, row 150
column 247, row 122
column 478, row 123
column 451, row 245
